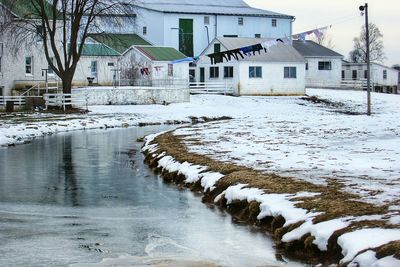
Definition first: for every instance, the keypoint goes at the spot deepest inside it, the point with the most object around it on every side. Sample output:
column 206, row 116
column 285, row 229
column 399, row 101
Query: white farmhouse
column 384, row 79
column 279, row 71
column 22, row 61
column 190, row 25
column 323, row 67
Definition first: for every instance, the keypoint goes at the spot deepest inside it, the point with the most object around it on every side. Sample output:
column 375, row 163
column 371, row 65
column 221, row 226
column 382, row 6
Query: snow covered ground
column 315, row 142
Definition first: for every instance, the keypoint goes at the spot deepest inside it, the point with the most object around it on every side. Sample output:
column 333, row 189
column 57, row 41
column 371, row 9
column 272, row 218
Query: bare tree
column 359, row 52
column 64, row 26
column 324, row 40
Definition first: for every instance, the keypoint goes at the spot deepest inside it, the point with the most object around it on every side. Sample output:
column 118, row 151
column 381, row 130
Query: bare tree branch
column 359, row 52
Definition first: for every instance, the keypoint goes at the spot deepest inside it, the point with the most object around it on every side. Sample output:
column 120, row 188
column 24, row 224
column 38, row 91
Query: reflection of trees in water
column 71, row 188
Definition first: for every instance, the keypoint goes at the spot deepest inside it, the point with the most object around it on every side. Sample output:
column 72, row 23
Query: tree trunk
column 67, row 83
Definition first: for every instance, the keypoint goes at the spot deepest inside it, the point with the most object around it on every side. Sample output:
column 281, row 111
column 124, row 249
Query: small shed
column 154, row 66
column 279, row 71
column 323, row 66
column 97, row 64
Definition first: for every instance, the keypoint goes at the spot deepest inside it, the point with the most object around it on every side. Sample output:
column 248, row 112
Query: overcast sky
column 345, row 19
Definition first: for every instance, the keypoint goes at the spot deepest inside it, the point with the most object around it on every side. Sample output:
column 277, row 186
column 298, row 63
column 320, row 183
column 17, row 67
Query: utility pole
column 364, row 8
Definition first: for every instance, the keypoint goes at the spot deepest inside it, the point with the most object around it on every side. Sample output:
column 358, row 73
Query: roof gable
column 119, row 42
column 158, row 53
column 312, row 49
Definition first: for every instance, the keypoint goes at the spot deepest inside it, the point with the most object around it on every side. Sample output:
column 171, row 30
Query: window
column 240, row 21
column 192, row 75
column 257, row 35
column 93, row 68
column 365, row 74
column 354, row 75
column 306, row 65
column 228, row 72
column 217, row 48
column 1, row 91
column 110, row 64
column 290, row 73
column 39, row 33
column 343, row 75
column 274, row 23
column 214, row 72
column 384, row 74
column 324, row 65
column 170, row 70
column 255, row 72
column 230, row 35
column 144, row 30
column 206, row 20
column 28, row 65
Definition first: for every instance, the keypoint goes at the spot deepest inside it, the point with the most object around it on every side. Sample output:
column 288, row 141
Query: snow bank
column 354, row 242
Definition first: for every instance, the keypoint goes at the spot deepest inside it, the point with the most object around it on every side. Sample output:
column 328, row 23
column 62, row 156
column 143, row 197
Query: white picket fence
column 62, row 100
column 222, row 88
column 18, row 100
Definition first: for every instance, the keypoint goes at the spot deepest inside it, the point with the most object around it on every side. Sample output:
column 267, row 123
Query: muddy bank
column 328, row 202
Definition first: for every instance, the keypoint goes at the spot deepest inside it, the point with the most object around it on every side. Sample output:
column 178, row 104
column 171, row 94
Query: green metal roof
column 158, row 53
column 119, row 42
column 26, row 8
column 98, row 50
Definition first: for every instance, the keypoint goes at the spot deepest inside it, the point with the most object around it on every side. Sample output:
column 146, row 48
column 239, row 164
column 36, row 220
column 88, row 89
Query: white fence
column 356, row 84
column 62, row 100
column 212, row 88
column 18, row 100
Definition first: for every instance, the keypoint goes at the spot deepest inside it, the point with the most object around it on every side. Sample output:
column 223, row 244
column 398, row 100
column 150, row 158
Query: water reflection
column 85, row 197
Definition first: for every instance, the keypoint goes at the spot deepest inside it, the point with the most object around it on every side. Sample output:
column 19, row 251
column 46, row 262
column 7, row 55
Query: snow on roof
column 278, row 53
column 225, row 7
column 312, row 49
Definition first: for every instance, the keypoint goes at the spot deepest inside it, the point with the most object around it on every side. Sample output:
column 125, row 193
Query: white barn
column 323, row 67
column 384, row 79
column 280, row 71
column 190, row 25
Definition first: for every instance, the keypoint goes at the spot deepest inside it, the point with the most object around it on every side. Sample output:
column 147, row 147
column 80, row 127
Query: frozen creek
column 82, row 199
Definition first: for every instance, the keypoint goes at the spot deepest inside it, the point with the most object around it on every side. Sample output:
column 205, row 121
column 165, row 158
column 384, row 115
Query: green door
column 186, row 36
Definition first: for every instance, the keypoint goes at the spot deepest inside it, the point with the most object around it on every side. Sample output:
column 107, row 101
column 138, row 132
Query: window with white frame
column 255, row 72
column 206, row 20
column 384, row 74
column 240, row 21
column 214, row 72
column 274, row 22
column 170, row 70
column 228, row 72
column 290, row 73
column 29, row 65
column 324, row 65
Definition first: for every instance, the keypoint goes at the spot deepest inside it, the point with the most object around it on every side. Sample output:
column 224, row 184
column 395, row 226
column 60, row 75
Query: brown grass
column 332, row 201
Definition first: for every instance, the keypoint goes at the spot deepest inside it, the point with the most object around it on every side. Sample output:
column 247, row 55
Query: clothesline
column 256, row 48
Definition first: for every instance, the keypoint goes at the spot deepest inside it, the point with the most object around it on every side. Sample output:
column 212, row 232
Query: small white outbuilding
column 279, row 71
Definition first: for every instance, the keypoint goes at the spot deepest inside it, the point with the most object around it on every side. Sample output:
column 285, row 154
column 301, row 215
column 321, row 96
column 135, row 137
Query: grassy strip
column 332, row 201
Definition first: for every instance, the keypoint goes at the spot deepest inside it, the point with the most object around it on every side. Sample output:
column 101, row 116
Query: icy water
column 82, row 199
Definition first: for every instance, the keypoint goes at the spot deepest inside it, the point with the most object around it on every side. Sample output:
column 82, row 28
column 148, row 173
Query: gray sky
column 345, row 19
